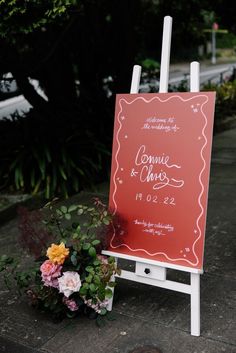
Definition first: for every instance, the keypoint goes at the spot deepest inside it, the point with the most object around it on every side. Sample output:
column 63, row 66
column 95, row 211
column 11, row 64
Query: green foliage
column 225, row 98
column 27, row 16
column 209, row 18
column 76, row 229
column 81, row 224
column 39, row 160
column 60, row 42
column 181, row 87
column 226, row 40
column 9, row 267
column 150, row 65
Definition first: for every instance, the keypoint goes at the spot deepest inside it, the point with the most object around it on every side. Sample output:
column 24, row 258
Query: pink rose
column 70, row 303
column 50, row 273
column 69, row 283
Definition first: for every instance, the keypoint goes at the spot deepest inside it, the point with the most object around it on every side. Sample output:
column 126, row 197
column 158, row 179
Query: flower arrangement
column 70, row 276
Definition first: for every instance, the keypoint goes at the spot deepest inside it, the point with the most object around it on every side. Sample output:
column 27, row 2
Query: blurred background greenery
column 82, row 54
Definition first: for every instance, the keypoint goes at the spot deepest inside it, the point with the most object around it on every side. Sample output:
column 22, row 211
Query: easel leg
column 195, row 304
column 110, row 302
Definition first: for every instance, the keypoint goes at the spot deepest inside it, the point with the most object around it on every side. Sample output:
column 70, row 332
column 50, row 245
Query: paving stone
column 162, row 337
column 23, row 324
column 8, row 238
column 218, row 303
column 148, row 303
column 8, row 346
column 220, row 252
column 83, row 336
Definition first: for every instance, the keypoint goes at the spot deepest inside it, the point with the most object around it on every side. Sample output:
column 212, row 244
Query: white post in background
column 135, row 79
column 213, row 46
column 194, row 76
column 165, row 54
column 195, row 277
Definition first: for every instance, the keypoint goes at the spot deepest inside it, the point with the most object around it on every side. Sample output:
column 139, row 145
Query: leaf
column 108, row 293
column 106, row 221
column 63, row 209
column 59, row 212
column 101, row 292
column 86, row 285
column 86, row 246
column 96, row 279
column 54, row 178
column 78, row 267
column 47, row 191
column 83, row 291
column 37, row 186
column 92, row 287
column 96, row 262
column 3, row 258
column 72, row 208
column 68, row 216
column 17, row 177
column 91, row 209
column 48, row 155
column 88, row 279
column 92, row 251
column 73, row 259
column 42, row 166
column 103, row 312
column 32, row 178
column 80, row 211
column 89, row 269
column 95, row 242
column 62, row 172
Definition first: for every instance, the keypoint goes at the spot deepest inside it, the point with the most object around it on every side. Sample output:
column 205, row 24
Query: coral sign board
column 160, row 176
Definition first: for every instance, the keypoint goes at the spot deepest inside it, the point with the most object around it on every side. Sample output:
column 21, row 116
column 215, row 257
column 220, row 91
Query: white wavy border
column 200, row 175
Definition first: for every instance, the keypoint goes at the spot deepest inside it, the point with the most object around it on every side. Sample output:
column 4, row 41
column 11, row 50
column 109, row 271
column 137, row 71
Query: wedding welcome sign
column 160, row 175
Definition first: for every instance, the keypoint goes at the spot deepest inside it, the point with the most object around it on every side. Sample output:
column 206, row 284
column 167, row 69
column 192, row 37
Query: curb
column 10, row 210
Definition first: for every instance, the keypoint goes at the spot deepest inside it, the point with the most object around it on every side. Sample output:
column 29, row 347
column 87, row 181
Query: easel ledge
column 152, row 262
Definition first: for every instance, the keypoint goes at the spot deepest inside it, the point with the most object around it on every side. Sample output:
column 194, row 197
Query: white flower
column 69, row 283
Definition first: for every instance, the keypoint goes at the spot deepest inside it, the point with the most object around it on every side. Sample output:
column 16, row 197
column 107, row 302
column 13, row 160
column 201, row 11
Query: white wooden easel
column 150, row 271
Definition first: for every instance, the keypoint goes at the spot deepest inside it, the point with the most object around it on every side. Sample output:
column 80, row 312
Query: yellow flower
column 57, row 253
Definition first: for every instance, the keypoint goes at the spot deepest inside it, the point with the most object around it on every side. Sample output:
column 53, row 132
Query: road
column 9, row 106
column 178, row 73
column 207, row 72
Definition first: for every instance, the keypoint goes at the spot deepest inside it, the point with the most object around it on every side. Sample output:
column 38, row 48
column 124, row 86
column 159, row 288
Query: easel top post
column 194, row 76
column 165, row 54
column 135, row 82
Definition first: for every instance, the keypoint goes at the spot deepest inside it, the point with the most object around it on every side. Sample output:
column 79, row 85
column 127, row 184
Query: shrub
column 56, row 158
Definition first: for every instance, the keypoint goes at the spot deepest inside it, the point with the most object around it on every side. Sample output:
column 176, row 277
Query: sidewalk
column 145, row 315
